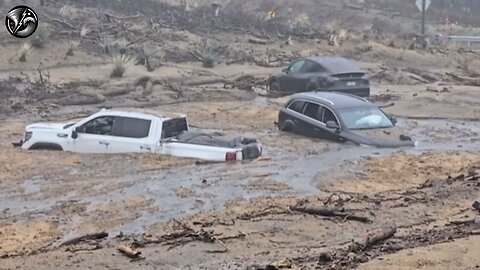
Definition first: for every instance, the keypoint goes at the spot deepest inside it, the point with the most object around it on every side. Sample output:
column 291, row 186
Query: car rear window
column 132, row 127
column 297, row 106
column 173, row 127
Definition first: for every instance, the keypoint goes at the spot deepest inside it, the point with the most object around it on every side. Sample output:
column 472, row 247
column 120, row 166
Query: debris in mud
column 185, row 234
column 131, row 253
column 463, row 79
column 383, row 97
column 476, row 205
column 86, row 237
column 331, row 212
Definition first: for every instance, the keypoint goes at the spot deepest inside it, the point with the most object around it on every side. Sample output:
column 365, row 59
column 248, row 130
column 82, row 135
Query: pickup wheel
column 46, row 146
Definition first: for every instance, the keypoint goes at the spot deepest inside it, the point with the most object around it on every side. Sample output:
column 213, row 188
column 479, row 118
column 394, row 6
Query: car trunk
column 351, row 80
column 352, row 83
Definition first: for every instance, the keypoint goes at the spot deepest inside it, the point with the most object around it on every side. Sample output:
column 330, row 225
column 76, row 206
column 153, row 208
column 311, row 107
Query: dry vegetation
column 212, row 63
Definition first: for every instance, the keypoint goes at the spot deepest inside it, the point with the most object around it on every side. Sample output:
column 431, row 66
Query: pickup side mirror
column 285, row 70
column 333, row 125
column 75, row 132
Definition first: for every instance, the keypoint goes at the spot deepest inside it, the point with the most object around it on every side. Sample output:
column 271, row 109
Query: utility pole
column 423, row 17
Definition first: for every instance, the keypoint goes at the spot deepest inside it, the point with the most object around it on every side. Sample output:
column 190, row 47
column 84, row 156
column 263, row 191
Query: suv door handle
column 316, row 129
column 103, row 142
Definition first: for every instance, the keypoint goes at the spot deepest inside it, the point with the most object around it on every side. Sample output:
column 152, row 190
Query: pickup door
column 134, row 135
column 94, row 136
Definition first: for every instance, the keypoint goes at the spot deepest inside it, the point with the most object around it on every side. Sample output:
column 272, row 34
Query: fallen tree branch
column 76, row 240
column 373, row 238
column 330, row 212
column 205, row 81
column 466, row 80
column 258, row 41
column 129, row 252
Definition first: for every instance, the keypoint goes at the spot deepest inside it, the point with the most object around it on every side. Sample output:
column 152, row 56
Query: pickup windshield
column 68, row 125
column 365, row 118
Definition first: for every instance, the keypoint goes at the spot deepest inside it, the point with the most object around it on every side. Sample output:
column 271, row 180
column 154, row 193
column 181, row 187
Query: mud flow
column 305, row 203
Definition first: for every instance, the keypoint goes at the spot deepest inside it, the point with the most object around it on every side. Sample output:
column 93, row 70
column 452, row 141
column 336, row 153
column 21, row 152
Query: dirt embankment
column 258, row 215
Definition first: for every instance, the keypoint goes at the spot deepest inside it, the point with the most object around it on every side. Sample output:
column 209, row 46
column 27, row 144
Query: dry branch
column 373, row 238
column 129, row 252
column 330, row 212
column 258, row 41
column 205, row 81
column 92, row 236
column 466, row 80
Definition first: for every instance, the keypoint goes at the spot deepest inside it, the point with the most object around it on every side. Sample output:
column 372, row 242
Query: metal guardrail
column 469, row 39
column 464, row 38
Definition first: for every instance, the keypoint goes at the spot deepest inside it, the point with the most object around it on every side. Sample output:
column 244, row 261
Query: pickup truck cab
column 110, row 131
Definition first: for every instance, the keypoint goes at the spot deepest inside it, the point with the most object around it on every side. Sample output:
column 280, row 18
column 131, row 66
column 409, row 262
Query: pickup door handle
column 104, row 142
column 316, row 129
column 145, row 148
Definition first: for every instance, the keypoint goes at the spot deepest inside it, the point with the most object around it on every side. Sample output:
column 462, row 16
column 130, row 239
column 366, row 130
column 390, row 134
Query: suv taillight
column 230, row 156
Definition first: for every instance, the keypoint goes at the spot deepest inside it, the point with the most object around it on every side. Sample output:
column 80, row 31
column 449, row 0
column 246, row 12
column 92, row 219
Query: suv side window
column 329, row 116
column 297, row 106
column 311, row 110
column 296, row 67
column 132, row 127
column 102, row 125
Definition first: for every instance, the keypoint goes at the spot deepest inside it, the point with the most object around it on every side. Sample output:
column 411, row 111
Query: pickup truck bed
column 249, row 146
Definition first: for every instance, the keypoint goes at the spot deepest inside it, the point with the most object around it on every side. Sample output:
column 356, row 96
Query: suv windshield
column 365, row 118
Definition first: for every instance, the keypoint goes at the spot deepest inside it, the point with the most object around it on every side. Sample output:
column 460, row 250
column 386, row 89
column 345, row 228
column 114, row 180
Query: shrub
column 71, row 46
column 40, row 38
column 25, row 49
column 147, row 55
column 208, row 60
column 84, row 31
column 120, row 62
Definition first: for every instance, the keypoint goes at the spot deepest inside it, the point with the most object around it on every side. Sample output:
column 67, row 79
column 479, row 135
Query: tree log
column 129, row 252
column 258, row 41
column 466, row 80
column 76, row 240
column 373, row 238
column 330, row 212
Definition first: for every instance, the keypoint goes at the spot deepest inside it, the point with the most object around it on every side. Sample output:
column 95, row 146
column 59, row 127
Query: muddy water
column 212, row 185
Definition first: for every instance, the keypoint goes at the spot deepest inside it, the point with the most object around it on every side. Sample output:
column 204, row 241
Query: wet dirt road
column 131, row 200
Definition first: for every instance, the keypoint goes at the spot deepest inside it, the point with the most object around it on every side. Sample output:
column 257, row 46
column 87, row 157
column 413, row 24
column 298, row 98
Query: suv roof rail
column 352, row 95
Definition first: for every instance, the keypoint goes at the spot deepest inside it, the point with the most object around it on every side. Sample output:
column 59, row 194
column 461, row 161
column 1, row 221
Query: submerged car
column 341, row 117
column 320, row 73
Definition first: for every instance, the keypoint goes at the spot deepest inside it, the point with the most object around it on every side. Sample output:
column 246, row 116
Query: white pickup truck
column 109, row 131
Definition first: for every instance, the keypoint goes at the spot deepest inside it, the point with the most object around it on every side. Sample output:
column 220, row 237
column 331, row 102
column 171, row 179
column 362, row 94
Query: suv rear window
column 173, row 127
column 297, row 106
column 132, row 127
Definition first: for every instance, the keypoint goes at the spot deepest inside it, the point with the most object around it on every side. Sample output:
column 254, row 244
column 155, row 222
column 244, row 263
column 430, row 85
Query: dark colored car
column 341, row 117
column 320, row 74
